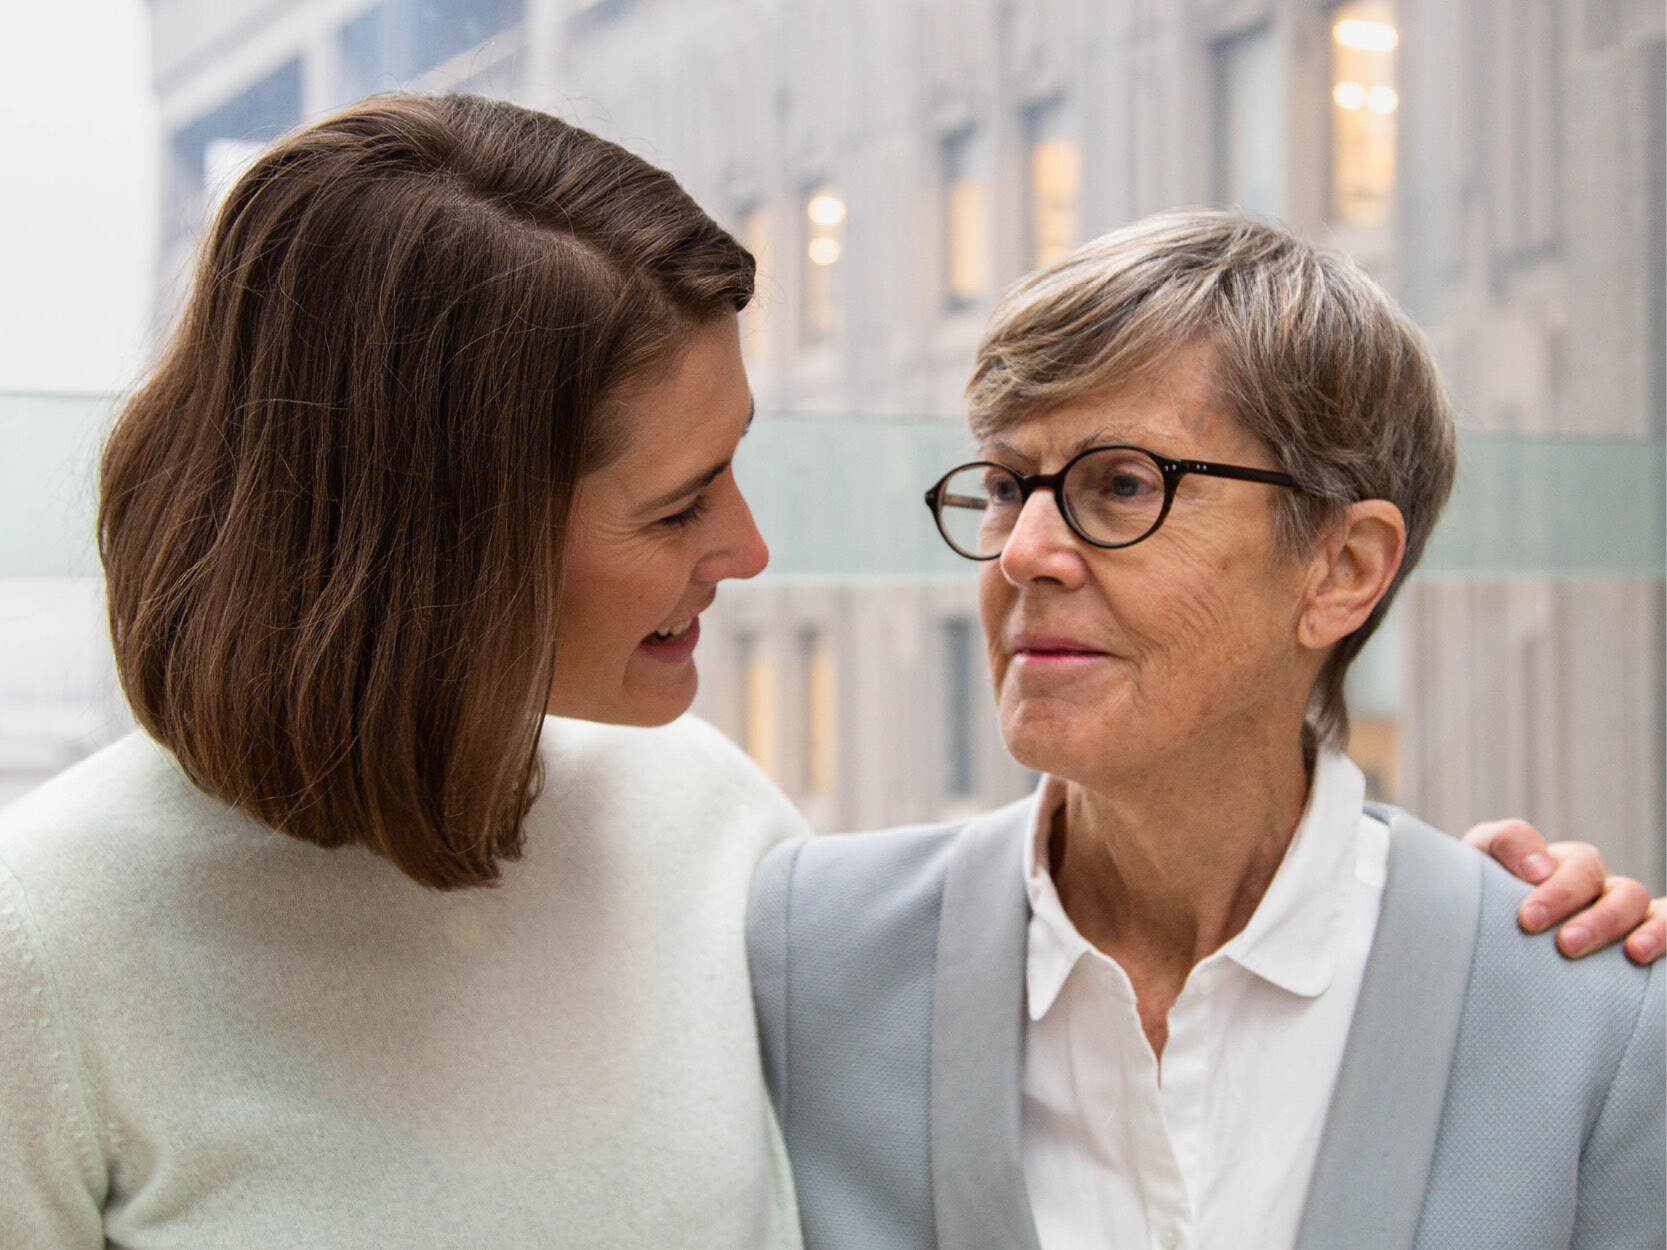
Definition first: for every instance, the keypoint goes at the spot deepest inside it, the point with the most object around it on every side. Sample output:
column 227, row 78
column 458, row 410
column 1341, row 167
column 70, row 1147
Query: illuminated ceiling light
column 826, row 210
column 1367, row 36
column 824, row 251
column 1383, row 100
column 1349, row 95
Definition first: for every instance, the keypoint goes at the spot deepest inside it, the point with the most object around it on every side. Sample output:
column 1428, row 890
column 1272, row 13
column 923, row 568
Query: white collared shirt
column 1214, row 1152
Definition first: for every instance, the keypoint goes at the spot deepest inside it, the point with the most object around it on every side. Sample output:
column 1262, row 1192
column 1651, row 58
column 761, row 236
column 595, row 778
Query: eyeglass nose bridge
column 1053, row 484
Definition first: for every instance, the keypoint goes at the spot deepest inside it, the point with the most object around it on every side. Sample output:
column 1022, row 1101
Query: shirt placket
column 1164, row 1194
column 1182, row 1093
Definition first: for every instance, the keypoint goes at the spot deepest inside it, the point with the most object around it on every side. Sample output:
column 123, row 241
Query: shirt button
column 1169, row 1239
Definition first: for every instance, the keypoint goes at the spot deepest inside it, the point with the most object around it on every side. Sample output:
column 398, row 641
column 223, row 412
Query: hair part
column 332, row 520
column 1310, row 354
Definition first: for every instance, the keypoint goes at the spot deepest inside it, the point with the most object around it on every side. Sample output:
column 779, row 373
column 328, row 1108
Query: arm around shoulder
column 1622, row 1202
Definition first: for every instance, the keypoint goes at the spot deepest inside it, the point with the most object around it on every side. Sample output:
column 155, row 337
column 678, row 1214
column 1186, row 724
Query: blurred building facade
column 895, row 163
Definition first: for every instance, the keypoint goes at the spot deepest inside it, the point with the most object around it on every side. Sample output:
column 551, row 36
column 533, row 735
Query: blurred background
column 1498, row 164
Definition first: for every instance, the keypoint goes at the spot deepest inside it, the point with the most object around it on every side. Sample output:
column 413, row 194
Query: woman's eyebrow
column 701, row 480
column 1099, row 438
column 996, row 446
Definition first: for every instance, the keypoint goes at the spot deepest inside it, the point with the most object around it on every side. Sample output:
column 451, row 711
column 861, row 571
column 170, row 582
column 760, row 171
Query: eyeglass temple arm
column 938, row 497
column 1237, row 472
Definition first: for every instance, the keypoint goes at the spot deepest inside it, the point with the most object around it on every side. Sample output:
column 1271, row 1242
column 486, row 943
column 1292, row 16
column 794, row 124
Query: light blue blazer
column 1492, row 1094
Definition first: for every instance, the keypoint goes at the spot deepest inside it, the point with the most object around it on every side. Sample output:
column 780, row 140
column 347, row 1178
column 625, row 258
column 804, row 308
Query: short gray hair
column 1312, row 356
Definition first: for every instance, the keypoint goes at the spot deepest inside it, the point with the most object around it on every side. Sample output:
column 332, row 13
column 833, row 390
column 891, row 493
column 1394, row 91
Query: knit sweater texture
column 212, row 1034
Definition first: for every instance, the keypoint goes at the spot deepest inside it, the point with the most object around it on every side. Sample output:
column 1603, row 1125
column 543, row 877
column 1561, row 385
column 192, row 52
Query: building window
column 758, row 705
column 209, row 153
column 224, row 162
column 824, row 224
column 960, row 708
column 1250, row 122
column 755, row 320
column 397, row 40
column 821, row 713
column 1363, row 107
column 1054, row 167
column 966, row 199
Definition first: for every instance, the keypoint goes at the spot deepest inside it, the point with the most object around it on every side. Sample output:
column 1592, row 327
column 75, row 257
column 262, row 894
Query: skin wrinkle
column 1212, row 636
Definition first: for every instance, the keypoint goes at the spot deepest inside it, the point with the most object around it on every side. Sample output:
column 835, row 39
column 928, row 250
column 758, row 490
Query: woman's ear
column 1354, row 564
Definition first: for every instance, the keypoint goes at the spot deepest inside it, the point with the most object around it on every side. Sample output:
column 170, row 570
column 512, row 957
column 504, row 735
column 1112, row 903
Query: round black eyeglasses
column 1110, row 496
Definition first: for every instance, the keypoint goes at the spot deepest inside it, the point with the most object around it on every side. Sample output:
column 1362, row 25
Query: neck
column 1161, row 869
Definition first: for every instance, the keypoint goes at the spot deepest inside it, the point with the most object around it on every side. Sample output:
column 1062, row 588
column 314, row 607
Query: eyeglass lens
column 1115, row 495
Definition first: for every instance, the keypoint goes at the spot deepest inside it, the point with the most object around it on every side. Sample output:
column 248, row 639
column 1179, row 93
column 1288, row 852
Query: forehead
column 701, row 390
column 1171, row 405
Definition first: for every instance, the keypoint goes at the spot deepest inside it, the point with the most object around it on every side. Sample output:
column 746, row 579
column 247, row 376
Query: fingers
column 1519, row 847
column 1623, row 906
column 1578, row 879
column 1649, row 940
column 1571, row 876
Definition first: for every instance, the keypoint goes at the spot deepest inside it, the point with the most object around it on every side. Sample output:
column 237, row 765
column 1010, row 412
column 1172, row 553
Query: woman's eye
column 688, row 516
column 1002, row 489
column 1126, row 486
column 1127, row 480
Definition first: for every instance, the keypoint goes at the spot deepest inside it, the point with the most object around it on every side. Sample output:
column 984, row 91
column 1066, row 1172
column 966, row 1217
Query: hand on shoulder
column 1574, row 888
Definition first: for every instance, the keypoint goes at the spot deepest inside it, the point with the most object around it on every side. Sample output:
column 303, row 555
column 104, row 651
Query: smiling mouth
column 676, row 631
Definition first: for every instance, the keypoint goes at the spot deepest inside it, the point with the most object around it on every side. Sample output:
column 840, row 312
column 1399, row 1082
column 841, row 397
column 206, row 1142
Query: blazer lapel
column 978, row 1188
column 1374, row 1161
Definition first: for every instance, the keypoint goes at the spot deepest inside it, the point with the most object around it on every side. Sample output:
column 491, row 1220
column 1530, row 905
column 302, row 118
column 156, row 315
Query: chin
column 1064, row 739
column 649, row 709
column 1040, row 735
column 633, row 705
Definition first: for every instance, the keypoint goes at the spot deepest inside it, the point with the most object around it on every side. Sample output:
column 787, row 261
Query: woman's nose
column 741, row 550
column 1041, row 545
column 753, row 553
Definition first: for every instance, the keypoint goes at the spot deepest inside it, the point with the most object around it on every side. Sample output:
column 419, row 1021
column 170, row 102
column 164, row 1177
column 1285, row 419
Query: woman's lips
column 674, row 649
column 1043, row 662
column 1037, row 647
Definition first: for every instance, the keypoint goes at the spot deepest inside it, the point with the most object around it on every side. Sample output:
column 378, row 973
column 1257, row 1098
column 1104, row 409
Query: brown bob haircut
column 332, row 520
column 1311, row 356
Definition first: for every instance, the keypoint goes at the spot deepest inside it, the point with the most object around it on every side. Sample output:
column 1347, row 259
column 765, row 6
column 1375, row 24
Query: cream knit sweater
column 212, row 1035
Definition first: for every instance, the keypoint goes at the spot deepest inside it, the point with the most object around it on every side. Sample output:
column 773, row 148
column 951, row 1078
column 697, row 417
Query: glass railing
column 842, row 499
column 1553, row 506
column 839, row 498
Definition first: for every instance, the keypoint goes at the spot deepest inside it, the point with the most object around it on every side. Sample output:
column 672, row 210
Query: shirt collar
column 1290, row 940
column 1054, row 945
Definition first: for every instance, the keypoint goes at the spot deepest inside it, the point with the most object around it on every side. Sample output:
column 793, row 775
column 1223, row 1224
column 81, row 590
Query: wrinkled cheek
column 1184, row 633
column 1219, row 654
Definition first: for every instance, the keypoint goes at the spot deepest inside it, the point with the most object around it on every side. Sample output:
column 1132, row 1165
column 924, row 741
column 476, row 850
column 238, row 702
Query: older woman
column 1196, row 991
